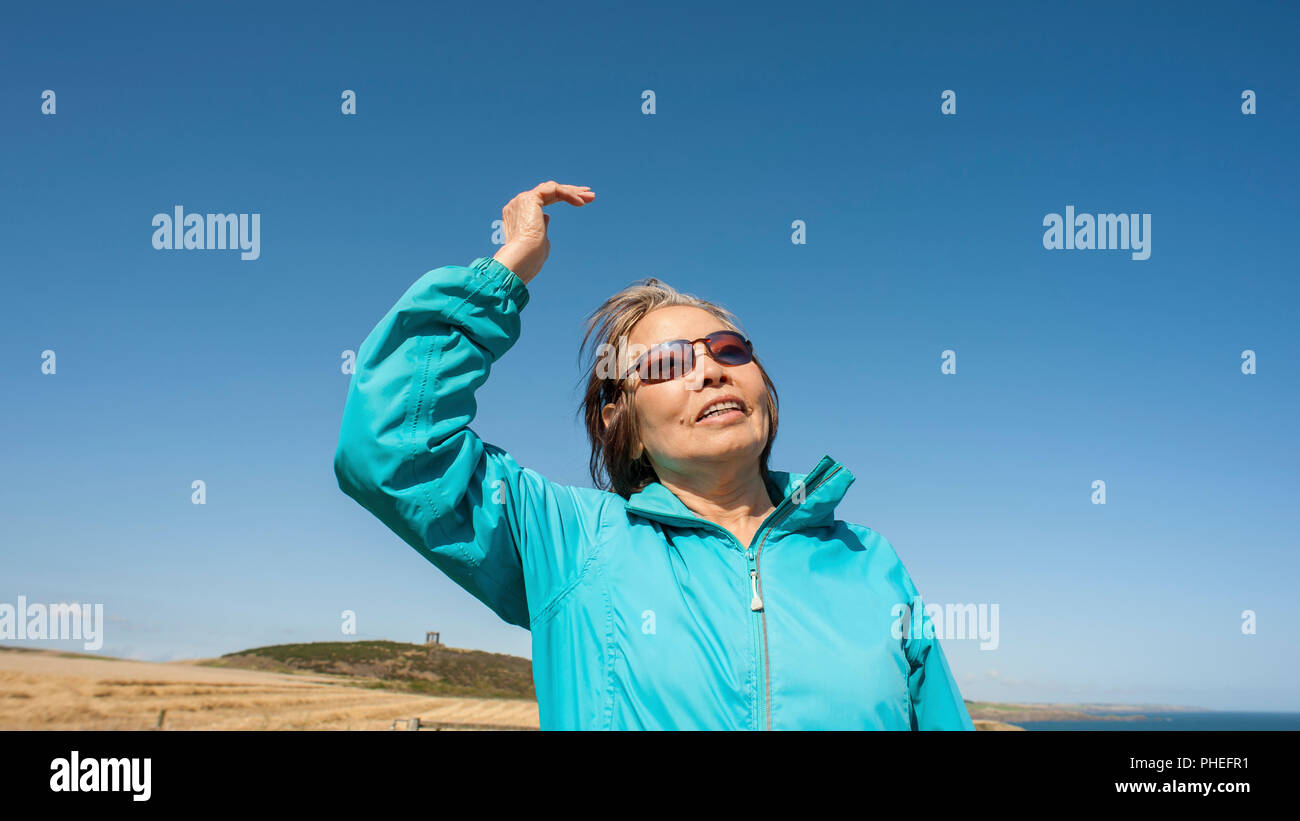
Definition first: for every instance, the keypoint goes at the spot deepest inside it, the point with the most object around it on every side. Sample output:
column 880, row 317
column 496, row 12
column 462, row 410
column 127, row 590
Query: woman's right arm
column 506, row 534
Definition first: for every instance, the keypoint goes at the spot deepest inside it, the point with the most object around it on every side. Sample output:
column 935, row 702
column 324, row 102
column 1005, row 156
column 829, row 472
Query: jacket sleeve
column 936, row 700
column 405, row 453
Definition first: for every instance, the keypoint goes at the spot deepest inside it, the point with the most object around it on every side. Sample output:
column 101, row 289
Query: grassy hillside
column 416, row 668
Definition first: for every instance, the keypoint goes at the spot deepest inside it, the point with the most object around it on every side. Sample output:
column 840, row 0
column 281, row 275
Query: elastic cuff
column 502, row 280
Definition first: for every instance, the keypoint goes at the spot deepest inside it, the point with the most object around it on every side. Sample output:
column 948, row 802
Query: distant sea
column 1180, row 721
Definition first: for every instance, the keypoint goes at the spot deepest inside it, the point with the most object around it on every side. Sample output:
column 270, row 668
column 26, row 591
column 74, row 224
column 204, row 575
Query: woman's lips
column 724, row 418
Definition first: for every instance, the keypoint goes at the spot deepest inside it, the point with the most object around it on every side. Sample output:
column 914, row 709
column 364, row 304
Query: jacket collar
column 802, row 499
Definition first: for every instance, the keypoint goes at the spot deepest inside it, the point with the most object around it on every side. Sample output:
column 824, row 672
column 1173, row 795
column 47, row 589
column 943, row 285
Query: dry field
column 44, row 690
column 47, row 690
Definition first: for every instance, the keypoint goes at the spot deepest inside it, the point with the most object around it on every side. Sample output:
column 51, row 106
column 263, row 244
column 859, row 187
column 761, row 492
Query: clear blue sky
column 924, row 234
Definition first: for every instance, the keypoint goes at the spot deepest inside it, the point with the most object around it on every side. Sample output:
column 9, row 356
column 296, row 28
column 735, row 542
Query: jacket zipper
column 755, row 627
column 757, row 602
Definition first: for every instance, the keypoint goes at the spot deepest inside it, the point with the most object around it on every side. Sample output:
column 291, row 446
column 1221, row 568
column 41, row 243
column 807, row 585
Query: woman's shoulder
column 866, row 535
column 861, row 537
column 880, row 561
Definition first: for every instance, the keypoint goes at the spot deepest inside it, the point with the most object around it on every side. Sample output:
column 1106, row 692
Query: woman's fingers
column 525, row 225
column 552, row 192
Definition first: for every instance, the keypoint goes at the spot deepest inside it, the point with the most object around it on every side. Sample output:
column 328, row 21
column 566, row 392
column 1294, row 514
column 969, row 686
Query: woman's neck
column 736, row 500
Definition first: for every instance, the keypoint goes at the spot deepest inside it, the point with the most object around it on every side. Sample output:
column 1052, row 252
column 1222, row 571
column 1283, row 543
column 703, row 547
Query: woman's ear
column 607, row 414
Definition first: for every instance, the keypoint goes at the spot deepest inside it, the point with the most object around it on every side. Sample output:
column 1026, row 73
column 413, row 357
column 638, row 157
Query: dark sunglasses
column 669, row 360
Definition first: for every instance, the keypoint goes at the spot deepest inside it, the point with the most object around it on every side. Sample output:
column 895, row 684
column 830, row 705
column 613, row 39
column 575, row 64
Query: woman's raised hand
column 526, row 243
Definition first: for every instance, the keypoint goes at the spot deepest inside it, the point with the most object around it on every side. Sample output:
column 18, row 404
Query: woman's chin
column 736, row 441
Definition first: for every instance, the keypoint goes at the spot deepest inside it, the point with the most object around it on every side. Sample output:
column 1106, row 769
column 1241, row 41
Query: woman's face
column 668, row 413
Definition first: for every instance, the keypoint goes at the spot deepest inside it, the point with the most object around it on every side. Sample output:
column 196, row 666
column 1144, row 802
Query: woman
column 698, row 590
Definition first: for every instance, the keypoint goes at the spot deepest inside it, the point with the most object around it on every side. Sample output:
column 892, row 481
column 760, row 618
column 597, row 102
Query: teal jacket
column 643, row 615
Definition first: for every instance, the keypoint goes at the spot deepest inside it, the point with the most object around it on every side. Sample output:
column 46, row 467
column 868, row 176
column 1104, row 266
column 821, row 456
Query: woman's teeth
column 721, row 407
